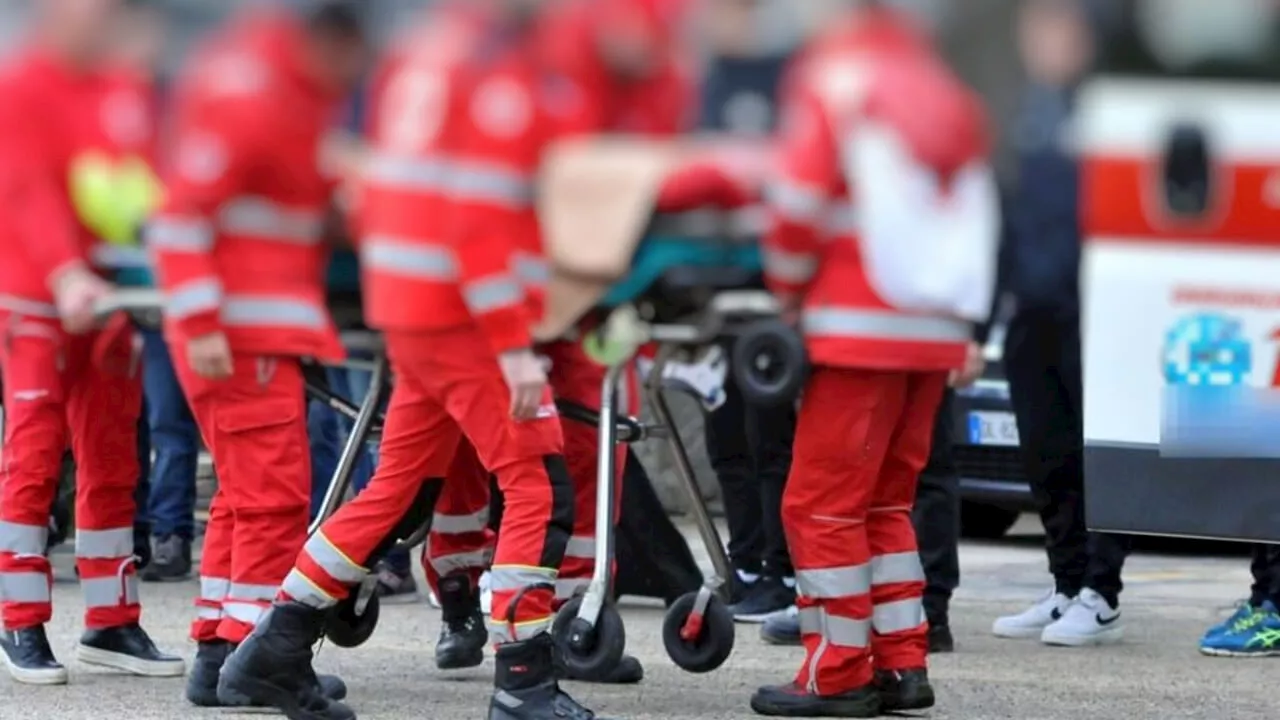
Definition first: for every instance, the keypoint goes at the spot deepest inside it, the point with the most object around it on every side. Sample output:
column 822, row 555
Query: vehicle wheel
column 698, row 645
column 345, row 628
column 769, row 363
column 986, row 522
column 589, row 652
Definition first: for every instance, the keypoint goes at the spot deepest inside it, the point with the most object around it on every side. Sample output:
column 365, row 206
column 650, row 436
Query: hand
column 974, row 366
column 526, row 379
column 210, row 356
column 77, row 290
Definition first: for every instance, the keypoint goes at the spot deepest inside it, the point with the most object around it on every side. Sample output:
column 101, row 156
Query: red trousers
column 448, row 386
column 460, row 541
column 456, row 545
column 255, row 425
column 862, row 438
column 86, row 387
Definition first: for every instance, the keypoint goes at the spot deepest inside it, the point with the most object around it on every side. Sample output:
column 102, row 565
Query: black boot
column 464, row 635
column 29, row 659
column 127, row 648
column 796, row 701
column 202, row 683
column 273, row 666
column 904, row 690
column 525, row 684
column 940, row 639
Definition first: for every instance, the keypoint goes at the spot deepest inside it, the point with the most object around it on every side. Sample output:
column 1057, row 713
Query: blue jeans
column 175, row 440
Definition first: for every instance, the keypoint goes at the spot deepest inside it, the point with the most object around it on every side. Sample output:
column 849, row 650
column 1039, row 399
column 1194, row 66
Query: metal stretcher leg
column 600, row 588
column 365, row 424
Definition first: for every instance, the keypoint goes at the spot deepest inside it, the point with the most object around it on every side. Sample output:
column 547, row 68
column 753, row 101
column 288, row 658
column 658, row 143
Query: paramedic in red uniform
column 71, row 380
column 240, row 260
column 446, row 198
column 633, row 79
column 872, row 89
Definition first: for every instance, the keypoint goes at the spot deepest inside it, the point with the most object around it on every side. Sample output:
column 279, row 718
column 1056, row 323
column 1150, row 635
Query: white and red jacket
column 237, row 246
column 885, row 215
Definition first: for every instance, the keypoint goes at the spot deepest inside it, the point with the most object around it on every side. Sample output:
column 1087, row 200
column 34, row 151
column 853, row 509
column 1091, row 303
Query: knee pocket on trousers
column 262, row 440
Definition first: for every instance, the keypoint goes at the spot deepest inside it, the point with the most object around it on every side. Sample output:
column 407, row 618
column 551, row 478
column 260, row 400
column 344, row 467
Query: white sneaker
column 1089, row 621
column 1030, row 623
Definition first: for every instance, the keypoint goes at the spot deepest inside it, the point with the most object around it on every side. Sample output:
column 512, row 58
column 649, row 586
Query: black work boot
column 795, row 701
column 202, row 683
column 525, row 685
column 464, row 635
column 904, row 689
column 273, row 666
column 128, row 648
column 29, row 659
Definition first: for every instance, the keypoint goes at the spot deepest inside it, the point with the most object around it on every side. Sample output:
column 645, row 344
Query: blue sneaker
column 1244, row 609
column 1257, row 634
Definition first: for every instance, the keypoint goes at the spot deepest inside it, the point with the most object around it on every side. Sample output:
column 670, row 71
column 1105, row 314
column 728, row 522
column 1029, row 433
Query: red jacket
column 52, row 119
column 238, row 244
column 870, row 74
column 448, row 196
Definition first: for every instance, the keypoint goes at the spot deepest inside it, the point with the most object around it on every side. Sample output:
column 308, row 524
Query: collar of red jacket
column 281, row 38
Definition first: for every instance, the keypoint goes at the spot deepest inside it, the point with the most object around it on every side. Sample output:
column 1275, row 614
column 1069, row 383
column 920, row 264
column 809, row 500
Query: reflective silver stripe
column 240, row 591
column 531, row 269
column 208, row 613
column 901, row 567
column 23, row 306
column 582, row 547
column 406, row 173
column 842, row 219
column 263, row 218
column 518, row 577
column 790, row 267
column 897, row 616
column 23, row 539
column 298, row 587
column 174, row 234
column 491, row 293
column 244, row 612
column 214, row 589
column 333, row 561
column 796, row 202
column 503, row 632
column 24, row 587
column 113, row 591
column 568, row 587
column 193, row 297
column 104, row 544
column 884, row 324
column 476, row 181
column 458, row 562
column 120, row 257
column 837, row 630
column 260, row 311
column 458, row 524
column 836, row 582
column 401, row 256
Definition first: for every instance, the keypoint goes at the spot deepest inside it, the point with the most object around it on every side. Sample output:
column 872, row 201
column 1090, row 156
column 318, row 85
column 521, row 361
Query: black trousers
column 750, row 450
column 1042, row 362
column 1266, row 575
column 936, row 517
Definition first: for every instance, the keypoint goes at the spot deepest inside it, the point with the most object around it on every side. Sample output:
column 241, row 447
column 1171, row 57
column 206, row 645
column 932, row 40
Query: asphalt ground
column 1172, row 594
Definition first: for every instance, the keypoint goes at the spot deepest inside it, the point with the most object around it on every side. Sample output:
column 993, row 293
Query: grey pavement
column 1155, row 674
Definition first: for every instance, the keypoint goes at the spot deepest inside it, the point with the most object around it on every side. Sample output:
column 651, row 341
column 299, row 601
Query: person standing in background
column 1042, row 349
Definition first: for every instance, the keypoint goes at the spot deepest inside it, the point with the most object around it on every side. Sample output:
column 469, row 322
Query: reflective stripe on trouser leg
column 213, row 593
column 215, row 570
column 324, row 574
column 835, row 609
column 24, row 574
column 460, row 540
column 108, row 577
column 246, row 604
column 518, row 584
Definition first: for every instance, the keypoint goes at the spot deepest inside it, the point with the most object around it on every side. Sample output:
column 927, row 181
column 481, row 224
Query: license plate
column 993, row 428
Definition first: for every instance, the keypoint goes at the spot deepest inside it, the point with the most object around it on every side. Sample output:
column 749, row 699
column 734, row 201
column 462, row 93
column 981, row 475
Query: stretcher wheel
column 769, row 363
column 698, row 646
column 589, row 652
column 345, row 628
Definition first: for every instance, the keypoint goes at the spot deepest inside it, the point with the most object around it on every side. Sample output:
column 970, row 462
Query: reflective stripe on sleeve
column 790, row 267
column 459, row 524
column 837, row 630
column 582, row 547
column 459, row 562
column 262, row 218
column 192, row 298
column 517, row 577
column 531, row 269
column 248, row 311
column 104, row 544
column 178, row 234
column 119, row 257
column 491, row 293
column 332, row 560
column 398, row 172
column 23, row 539
column 796, row 202
column 404, row 257
column 300, row 588
column 503, row 632
column 836, row 582
column 484, row 182
column 24, row 587
column 30, row 308
column 887, row 325
column 901, row 567
column 897, row 616
column 113, row 591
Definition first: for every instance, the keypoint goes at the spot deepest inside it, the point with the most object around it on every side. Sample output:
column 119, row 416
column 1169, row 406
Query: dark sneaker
column 764, row 598
column 940, row 640
column 739, row 588
column 127, row 648
column 202, row 683
column 526, row 687
column 904, row 690
column 272, row 666
column 464, row 635
column 29, row 659
column 782, row 628
column 170, row 560
column 628, row 671
column 795, row 701
column 395, row 588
